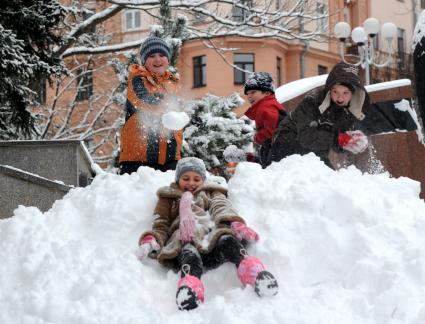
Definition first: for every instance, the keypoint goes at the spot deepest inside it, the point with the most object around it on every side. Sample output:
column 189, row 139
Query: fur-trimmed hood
column 344, row 73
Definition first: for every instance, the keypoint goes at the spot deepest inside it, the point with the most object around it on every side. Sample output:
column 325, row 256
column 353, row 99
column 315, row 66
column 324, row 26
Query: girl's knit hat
column 153, row 45
column 190, row 164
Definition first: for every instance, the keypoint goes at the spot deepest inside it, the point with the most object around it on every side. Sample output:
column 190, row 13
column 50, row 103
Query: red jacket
column 266, row 115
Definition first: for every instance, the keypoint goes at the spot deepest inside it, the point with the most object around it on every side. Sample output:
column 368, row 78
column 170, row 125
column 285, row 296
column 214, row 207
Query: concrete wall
column 37, row 173
column 65, row 161
column 20, row 188
column 401, row 154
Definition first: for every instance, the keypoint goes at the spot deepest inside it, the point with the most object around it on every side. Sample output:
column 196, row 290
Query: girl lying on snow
column 196, row 228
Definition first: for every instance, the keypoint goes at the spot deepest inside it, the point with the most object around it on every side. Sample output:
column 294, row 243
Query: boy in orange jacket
column 144, row 141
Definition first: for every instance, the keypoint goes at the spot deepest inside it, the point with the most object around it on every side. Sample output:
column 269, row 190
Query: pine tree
column 28, row 32
column 214, row 127
column 172, row 29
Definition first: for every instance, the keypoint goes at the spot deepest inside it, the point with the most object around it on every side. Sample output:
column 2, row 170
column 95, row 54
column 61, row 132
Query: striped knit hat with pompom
column 153, row 45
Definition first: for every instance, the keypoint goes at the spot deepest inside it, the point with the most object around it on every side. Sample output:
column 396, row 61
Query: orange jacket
column 143, row 138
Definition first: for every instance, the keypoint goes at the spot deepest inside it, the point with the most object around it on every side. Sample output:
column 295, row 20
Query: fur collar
column 173, row 191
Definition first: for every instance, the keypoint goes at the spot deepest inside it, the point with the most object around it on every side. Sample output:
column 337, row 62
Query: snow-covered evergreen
column 28, row 33
column 171, row 28
column 213, row 127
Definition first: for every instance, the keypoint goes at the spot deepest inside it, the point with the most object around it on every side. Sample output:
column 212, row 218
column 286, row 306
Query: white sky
column 346, row 248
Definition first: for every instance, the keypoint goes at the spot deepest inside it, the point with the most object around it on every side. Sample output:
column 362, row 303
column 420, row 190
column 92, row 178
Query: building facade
column 89, row 109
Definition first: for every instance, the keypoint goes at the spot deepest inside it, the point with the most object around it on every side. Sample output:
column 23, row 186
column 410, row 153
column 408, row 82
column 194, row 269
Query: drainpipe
column 302, row 58
column 414, row 13
column 306, row 45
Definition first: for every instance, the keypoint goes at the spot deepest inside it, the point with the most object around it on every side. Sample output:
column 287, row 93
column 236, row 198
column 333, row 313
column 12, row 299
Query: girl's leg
column 190, row 261
column 190, row 290
column 251, row 270
column 228, row 248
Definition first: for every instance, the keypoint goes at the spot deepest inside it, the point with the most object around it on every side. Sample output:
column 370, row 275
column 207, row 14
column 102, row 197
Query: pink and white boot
column 251, row 271
column 190, row 292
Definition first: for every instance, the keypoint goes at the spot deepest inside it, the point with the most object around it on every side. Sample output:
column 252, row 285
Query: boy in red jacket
column 265, row 110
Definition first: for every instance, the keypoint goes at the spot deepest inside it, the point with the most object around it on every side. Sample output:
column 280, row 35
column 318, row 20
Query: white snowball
column 175, row 120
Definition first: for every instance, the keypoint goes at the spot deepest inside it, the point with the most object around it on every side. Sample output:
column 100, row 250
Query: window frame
column 84, row 84
column 278, row 71
column 199, row 69
column 38, row 85
column 323, row 22
column 132, row 12
column 322, row 69
column 401, row 40
column 242, row 65
column 240, row 14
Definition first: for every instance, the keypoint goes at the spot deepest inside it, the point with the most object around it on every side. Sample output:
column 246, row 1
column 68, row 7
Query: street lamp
column 363, row 37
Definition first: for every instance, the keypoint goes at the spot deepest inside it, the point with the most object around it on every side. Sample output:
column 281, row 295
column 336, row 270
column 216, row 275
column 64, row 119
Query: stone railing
column 37, row 173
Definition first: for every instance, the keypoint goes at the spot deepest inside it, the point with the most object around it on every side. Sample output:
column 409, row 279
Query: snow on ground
column 346, row 248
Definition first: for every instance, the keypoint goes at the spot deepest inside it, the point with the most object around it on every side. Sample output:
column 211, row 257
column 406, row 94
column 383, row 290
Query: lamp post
column 363, row 37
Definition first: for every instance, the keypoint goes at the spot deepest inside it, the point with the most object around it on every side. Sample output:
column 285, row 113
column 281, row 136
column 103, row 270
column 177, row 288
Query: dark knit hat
column 153, row 45
column 190, row 164
column 259, row 81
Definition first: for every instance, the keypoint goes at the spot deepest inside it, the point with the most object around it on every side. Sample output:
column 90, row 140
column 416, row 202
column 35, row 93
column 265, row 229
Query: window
column 199, row 17
column 132, row 20
column 38, row 85
column 244, row 62
column 238, row 13
column 400, row 40
column 278, row 4
column 91, row 29
column 322, row 22
column 422, row 4
column 278, row 71
column 321, row 69
column 400, row 47
column 375, row 42
column 84, row 84
column 199, row 71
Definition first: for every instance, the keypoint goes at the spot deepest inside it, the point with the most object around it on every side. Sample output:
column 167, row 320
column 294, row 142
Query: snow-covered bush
column 213, row 127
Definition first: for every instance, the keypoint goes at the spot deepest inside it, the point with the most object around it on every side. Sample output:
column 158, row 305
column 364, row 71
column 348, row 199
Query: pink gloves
column 187, row 219
column 147, row 245
column 353, row 141
column 243, row 232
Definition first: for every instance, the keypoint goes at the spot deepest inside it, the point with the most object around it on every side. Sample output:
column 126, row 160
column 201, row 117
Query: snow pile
column 345, row 247
column 296, row 88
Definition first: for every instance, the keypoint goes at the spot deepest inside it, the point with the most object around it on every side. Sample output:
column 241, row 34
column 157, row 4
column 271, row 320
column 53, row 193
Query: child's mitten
column 147, row 245
column 243, row 232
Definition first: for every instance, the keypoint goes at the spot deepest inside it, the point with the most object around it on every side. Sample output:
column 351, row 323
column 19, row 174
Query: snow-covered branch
column 250, row 19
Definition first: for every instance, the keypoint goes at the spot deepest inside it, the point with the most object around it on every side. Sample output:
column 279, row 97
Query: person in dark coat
column 196, row 228
column 328, row 119
column 265, row 110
